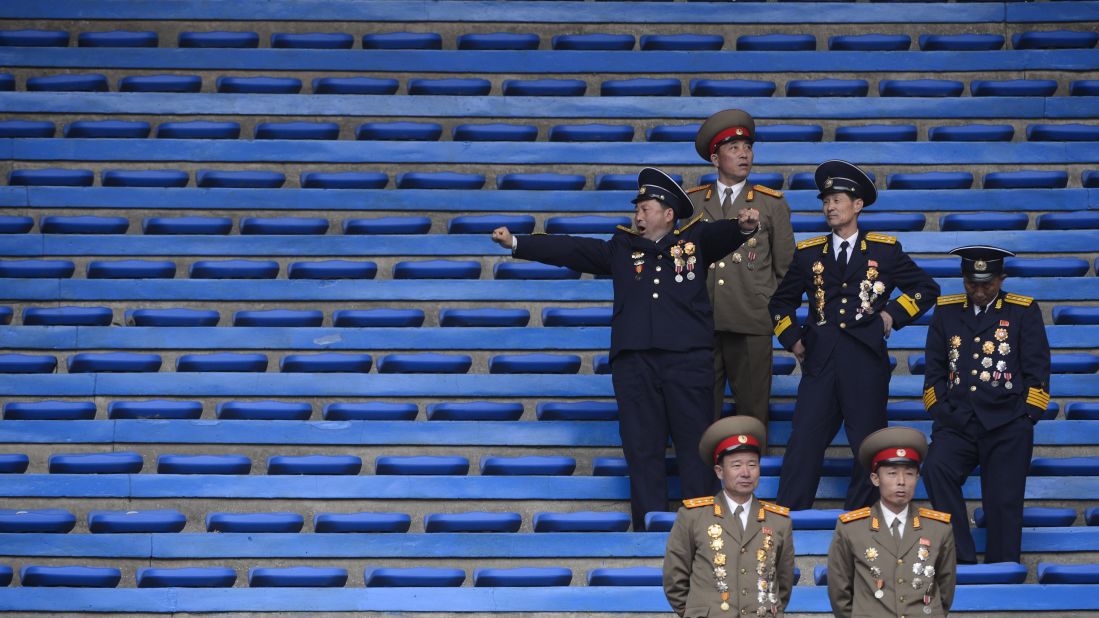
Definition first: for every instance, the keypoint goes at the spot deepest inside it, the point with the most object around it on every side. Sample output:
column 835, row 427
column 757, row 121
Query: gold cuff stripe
column 909, row 305
column 782, row 325
column 929, row 398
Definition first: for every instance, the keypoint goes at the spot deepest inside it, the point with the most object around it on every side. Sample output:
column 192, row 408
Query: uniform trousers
column 660, row 393
column 745, row 361
column 1004, row 456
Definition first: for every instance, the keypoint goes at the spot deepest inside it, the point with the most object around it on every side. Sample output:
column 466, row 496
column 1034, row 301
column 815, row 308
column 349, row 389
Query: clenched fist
column 502, row 236
column 748, row 218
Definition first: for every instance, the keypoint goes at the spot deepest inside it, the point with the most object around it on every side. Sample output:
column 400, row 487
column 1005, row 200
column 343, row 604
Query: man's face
column 734, row 160
column 897, row 484
column 840, row 209
column 653, row 219
column 739, row 473
column 981, row 293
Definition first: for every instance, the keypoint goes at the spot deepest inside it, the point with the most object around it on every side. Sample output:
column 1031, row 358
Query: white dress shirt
column 890, row 516
column 836, row 241
column 732, row 509
column 737, row 188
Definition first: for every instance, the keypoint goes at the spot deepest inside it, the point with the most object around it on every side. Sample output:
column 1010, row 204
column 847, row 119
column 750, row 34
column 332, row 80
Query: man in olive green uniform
column 730, row 554
column 891, row 558
column 742, row 283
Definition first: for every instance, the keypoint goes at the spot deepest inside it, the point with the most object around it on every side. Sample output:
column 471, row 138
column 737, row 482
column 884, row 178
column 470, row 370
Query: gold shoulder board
column 774, row 508
column 856, row 515
column 952, row 299
column 694, row 503
column 767, row 190
column 628, row 230
column 698, row 188
column 883, row 238
column 936, row 515
column 687, row 225
column 812, row 242
column 1016, row 299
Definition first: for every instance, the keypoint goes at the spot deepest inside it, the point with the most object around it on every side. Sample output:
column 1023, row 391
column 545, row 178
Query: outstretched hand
column 502, row 236
column 748, row 218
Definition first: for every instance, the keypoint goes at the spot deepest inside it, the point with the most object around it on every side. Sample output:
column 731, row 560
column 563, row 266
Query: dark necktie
column 980, row 310
column 727, row 202
column 739, row 522
column 842, row 259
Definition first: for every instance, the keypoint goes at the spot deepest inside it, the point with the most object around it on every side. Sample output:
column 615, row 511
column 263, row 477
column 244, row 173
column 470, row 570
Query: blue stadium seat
column 69, row 576
column 114, row 362
column 731, row 88
column 541, row 182
column 297, row 130
column 252, row 523
column 1049, row 573
column 53, row 521
column 984, row 221
column 827, row 88
column 1036, row 517
column 626, row 576
column 1091, row 516
column 472, row 522
column 991, row 573
column 107, row 129
column 160, row 83
column 1090, row 179
column 239, row 179
column 578, row 316
column 593, row 42
column 664, row 133
column 49, row 410
column 1062, row 132
column 74, row 82
column 120, row 462
column 594, row 132
column 659, row 521
column 209, row 226
column 83, row 224
column 1013, row 88
column 783, row 365
column 203, row 464
column 347, row 465
column 522, row 577
column 5, row 315
column 484, row 317
column 355, row 85
column 279, row 318
column 495, row 132
column 326, row 362
column 440, row 180
column 929, row 180
column 67, row 316
column 585, row 521
column 1064, row 466
column 123, row 522
column 1046, row 267
column 259, row 85
column 1076, row 315
column 437, row 269
column 624, row 182
column 34, row 38
column 940, row 267
column 14, row 463
column 199, row 129
column 450, row 87
column 374, row 318
column 903, row 410
column 26, row 128
column 815, row 519
column 403, row 40
column 484, row 224
column 154, row 408
column 585, row 224
column 789, row 133
column 186, row 577
column 7, row 82
column 961, row 42
column 389, row 225
column 424, row 363
column 920, row 88
column 808, row 223
column 36, row 269
column 235, row 269
column 413, row 577
column 544, row 87
column 312, row 40
column 361, row 522
column 532, row 270
column 117, row 38
column 283, row 226
column 1084, row 88
column 972, row 133
column 577, row 411
column 131, row 269
column 870, row 42
column 219, row 39
column 682, row 42
column 641, row 87
column 877, row 133
column 51, row 177
column 297, row 577
column 475, row 411
column 344, row 180
column 332, row 269
column 422, row 465
column 1026, row 179
column 820, row 575
column 12, row 224
column 528, row 466
column 892, row 221
column 601, row 364
column 172, row 317
column 145, row 178
column 498, row 41
column 776, row 42
column 264, row 410
column 223, row 362
column 370, row 411
column 1054, row 39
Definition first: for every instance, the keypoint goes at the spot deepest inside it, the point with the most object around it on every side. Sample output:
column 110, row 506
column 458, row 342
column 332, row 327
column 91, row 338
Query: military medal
column 752, row 242
column 691, row 265
column 955, row 342
column 879, row 593
column 1004, row 349
column 871, row 553
column 988, row 347
column 986, row 362
column 1001, row 334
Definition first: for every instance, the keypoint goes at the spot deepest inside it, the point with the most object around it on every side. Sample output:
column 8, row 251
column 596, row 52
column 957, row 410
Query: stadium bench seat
column 114, row 362
column 498, row 41
column 27, row 363
column 533, row 270
column 534, row 363
column 67, row 316
column 616, row 466
column 789, row 133
column 1064, row 466
column 731, row 88
column 681, row 42
column 107, row 129
column 1090, row 179
column 440, row 180
column 495, row 132
column 593, row 42
column 961, row 42
column 1046, row 267
column 776, row 42
column 252, row 523
column 160, row 83
column 577, row 411
column 83, row 224
column 815, row 519
column 585, row 224
column 991, row 573
column 579, row 316
column 373, row 318
column 312, row 40
column 1035, row 517
column 264, row 410
column 522, row 577
column 355, row 85
column 51, row 177
column 904, row 410
column 827, row 88
column 659, row 521
column 117, row 38
column 172, row 317
column 1076, row 315
column 15, row 224
column 403, row 40
column 472, row 522
column 259, row 85
column 69, row 576
column 297, row 577
column 5, row 315
column 626, row 576
column 451, row 87
column 199, row 129
column 370, row 411
column 219, row 39
column 425, row 363
column 484, row 224
column 297, row 130
column 1054, row 39
column 428, row 465
column 121, row 462
column 75, row 82
column 13, row 463
column 1062, row 132
column 361, row 522
column 893, row 222
column 1049, row 573
column 594, row 132
column 929, row 180
column 30, row 37
column 1026, row 179
column 50, row 410
column 474, row 411
column 186, row 577
column 144, row 178
column 326, row 362
column 808, row 223
column 584, row 521
column 413, row 577
column 484, row 317
column 641, row 87
column 920, row 88
column 984, row 221
column 239, row 179
column 870, row 42
column 207, row 226
column 1091, row 516
column 348, row 465
column 528, row 466
column 51, row 521
column 665, row 133
column 154, row 408
column 972, row 133
column 541, row 182
column 624, row 182
column 235, row 269
column 783, row 365
column 1084, row 88
column 129, row 522
column 343, row 180
column 544, row 87
column 388, row 225
column 203, row 464
column 877, row 133
column 26, row 128
column 283, row 226
column 437, row 269
column 279, row 317
column 601, row 364
column 131, row 269
column 1013, row 88
column 7, row 82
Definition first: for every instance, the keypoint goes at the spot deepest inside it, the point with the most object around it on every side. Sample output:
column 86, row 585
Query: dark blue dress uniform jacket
column 651, row 310
column 1014, row 379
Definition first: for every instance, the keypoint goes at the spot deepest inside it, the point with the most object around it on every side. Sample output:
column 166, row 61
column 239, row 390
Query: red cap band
column 731, row 441
column 738, row 132
column 894, row 453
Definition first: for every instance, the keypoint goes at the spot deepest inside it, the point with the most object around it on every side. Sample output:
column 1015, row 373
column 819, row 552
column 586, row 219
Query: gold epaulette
column 687, row 225
column 628, row 230
column 812, row 242
column 856, row 515
column 767, row 190
column 698, row 188
column 774, row 508
column 936, row 515
column 694, row 503
column 952, row 299
column 883, row 238
column 1017, row 299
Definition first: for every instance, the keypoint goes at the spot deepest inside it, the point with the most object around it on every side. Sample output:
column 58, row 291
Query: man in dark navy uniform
column 849, row 276
column 661, row 330
column 985, row 387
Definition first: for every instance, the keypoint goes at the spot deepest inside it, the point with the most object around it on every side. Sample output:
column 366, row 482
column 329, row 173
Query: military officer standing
column 849, row 276
column 892, row 559
column 661, row 329
column 731, row 554
column 985, row 387
column 742, row 282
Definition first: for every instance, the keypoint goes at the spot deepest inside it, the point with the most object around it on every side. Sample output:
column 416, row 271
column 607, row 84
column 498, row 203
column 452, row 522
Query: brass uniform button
column 973, row 372
column 743, row 571
column 976, row 356
column 721, row 282
column 658, row 269
column 843, row 311
column 656, row 281
column 899, row 561
column 972, row 388
column 844, row 285
column 976, row 340
column 656, row 295
column 843, row 300
column 843, row 324
column 721, row 264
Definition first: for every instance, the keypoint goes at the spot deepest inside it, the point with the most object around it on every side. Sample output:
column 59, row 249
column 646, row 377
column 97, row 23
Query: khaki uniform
column 740, row 287
column 707, row 552
column 864, row 557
